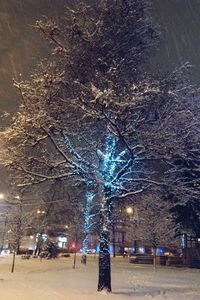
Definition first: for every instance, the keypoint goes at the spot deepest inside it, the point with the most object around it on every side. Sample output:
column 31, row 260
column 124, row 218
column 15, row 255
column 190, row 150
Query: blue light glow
column 113, row 173
column 110, row 248
column 142, row 250
column 111, row 163
column 160, row 251
column 132, row 250
column 87, row 220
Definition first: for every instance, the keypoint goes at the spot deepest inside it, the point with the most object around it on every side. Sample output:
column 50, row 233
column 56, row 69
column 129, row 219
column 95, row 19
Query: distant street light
column 1, row 196
column 129, row 210
column 40, row 211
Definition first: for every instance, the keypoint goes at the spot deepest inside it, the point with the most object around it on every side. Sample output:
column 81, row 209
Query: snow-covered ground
column 57, row 280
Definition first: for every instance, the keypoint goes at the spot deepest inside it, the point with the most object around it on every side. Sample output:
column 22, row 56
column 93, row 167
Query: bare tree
column 155, row 225
column 17, row 221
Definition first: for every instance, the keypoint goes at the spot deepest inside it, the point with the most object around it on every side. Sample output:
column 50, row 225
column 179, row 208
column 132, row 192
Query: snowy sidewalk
column 56, row 280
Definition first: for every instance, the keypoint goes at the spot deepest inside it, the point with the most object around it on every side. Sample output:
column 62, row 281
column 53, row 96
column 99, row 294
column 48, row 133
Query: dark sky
column 21, row 46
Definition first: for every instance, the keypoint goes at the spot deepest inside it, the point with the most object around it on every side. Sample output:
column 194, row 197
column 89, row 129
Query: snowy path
column 56, row 280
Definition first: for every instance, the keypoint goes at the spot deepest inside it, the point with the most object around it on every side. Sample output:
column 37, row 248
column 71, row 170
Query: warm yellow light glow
column 1, row 196
column 40, row 211
column 129, row 210
column 31, row 237
column 66, row 226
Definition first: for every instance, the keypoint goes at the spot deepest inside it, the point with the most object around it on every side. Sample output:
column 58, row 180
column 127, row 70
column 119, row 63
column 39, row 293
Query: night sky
column 21, row 46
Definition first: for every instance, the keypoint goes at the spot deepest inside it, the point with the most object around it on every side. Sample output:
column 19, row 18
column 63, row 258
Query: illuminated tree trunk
column 87, row 225
column 104, row 282
column 85, row 248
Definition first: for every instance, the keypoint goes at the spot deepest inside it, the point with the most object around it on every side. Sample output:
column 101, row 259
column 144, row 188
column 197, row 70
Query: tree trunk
column 104, row 282
column 154, row 259
column 84, row 250
column 74, row 264
column 114, row 248
column 87, row 225
column 13, row 262
column 135, row 246
column 4, row 233
column 123, row 244
column 104, row 270
column 18, row 247
column 76, row 241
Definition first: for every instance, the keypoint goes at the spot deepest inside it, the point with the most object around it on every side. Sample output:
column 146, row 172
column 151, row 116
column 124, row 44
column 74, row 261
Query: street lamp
column 40, row 211
column 129, row 210
column 1, row 196
column 40, row 235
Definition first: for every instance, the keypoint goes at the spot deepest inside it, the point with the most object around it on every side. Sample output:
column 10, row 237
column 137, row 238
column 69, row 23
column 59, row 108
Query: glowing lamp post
column 129, row 210
column 39, row 238
column 40, row 212
column 1, row 196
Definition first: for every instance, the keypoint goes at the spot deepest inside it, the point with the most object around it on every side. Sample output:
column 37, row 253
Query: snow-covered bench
column 142, row 259
column 25, row 256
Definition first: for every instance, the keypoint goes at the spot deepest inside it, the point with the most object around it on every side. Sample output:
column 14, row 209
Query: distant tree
column 15, row 229
column 185, row 199
column 16, row 223
column 124, row 214
column 55, row 210
column 92, row 113
column 155, row 225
